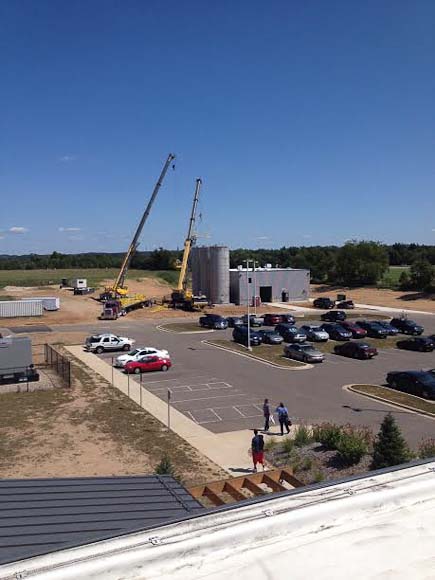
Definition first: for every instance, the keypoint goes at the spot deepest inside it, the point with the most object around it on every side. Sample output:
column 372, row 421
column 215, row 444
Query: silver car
column 304, row 352
column 314, row 333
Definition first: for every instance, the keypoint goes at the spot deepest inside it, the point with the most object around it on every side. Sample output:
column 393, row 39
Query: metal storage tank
column 219, row 274
column 15, row 308
column 200, row 270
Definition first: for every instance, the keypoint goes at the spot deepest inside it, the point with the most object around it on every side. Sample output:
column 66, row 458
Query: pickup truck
column 108, row 342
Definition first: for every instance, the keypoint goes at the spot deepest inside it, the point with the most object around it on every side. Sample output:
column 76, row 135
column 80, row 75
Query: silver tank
column 200, row 270
column 219, row 268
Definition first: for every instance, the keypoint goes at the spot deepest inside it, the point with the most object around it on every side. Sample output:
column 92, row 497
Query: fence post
column 128, row 384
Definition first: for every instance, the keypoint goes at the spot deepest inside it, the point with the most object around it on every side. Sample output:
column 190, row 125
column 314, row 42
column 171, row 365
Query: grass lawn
column 184, row 327
column 94, row 276
column 266, row 352
column 393, row 396
column 391, row 277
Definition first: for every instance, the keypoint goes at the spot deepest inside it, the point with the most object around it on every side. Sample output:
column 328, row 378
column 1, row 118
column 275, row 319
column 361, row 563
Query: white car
column 108, row 342
column 137, row 353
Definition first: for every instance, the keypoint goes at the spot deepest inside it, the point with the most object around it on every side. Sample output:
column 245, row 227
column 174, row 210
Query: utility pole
column 247, row 305
column 255, row 288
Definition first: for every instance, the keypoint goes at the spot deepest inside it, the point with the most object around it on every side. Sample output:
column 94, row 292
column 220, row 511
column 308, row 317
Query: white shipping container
column 79, row 283
column 15, row 308
column 49, row 302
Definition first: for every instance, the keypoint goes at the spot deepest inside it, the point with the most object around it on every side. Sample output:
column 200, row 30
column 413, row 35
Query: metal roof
column 38, row 516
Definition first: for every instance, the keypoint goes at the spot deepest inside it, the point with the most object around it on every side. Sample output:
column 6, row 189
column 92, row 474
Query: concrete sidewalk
column 228, row 450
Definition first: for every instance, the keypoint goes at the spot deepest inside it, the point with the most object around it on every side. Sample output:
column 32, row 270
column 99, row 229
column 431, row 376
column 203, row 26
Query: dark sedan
column 373, row 329
column 337, row 332
column 419, row 343
column 288, row 318
column 334, row 316
column 345, row 305
column 391, row 330
column 360, row 350
column 270, row 337
column 418, row 383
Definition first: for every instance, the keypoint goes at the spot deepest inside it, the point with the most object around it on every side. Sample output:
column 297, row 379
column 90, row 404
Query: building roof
column 38, row 516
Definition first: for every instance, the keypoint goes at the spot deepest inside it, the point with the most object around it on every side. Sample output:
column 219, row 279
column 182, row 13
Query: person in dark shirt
column 266, row 414
column 257, row 446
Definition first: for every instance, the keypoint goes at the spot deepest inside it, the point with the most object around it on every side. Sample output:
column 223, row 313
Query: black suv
column 373, row 329
column 234, row 321
column 334, row 316
column 420, row 343
column 240, row 335
column 418, row 383
column 406, row 326
column 323, row 303
column 337, row 332
column 290, row 333
column 213, row 321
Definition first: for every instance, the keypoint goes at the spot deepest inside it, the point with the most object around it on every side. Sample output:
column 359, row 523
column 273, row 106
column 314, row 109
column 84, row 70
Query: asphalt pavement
column 222, row 391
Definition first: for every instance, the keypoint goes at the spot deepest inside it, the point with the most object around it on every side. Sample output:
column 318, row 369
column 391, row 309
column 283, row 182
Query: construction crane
column 181, row 297
column 119, row 289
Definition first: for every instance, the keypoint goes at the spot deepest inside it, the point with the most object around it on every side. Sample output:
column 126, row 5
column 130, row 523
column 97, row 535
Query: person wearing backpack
column 283, row 418
column 257, row 447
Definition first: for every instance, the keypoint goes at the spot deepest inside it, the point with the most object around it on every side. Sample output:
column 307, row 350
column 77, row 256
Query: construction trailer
column 16, row 363
column 18, row 308
column 269, row 284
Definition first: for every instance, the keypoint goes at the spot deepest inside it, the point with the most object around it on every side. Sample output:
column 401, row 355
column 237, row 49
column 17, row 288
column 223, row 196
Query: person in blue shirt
column 283, row 417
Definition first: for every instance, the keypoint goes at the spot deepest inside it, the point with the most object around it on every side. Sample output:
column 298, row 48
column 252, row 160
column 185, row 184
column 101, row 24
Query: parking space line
column 191, row 416
column 189, row 388
column 207, row 398
column 240, row 412
column 214, row 412
column 183, row 379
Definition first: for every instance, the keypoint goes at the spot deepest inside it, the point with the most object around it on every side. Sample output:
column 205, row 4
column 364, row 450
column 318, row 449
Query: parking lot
column 223, row 391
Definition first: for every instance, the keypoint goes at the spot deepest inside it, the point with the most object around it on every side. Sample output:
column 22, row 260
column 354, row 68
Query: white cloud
column 18, row 230
column 262, row 238
column 69, row 229
column 67, row 158
column 307, row 236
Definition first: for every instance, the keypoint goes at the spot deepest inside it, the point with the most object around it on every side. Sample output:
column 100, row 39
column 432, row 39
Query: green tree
column 361, row 263
column 421, row 275
column 390, row 447
column 166, row 467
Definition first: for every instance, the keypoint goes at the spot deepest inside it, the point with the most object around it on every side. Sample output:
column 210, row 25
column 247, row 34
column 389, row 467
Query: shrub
column 270, row 445
column 288, row 445
column 351, row 448
column 327, row 434
column 390, row 447
column 318, row 477
column 302, row 436
column 307, row 464
column 426, row 449
column 166, row 467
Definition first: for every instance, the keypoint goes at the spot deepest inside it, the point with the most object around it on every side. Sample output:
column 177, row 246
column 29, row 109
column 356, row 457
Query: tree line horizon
column 355, row 263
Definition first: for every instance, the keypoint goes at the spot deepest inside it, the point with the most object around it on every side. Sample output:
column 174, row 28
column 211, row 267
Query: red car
column 148, row 363
column 272, row 319
column 357, row 331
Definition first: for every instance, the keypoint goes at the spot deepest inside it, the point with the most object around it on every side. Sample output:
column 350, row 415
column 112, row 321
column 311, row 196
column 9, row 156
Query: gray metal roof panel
column 42, row 515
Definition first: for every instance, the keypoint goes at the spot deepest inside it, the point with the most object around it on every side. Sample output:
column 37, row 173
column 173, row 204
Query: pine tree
column 165, row 467
column 390, row 447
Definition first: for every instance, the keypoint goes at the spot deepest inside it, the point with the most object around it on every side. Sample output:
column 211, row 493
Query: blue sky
column 309, row 122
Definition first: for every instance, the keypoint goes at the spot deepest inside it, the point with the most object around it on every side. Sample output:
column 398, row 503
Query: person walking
column 257, row 446
column 283, row 417
column 266, row 414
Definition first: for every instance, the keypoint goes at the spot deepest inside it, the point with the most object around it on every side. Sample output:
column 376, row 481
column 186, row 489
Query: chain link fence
column 59, row 363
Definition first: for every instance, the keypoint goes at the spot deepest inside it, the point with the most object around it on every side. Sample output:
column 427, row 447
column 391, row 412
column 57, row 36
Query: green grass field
column 391, row 277
column 93, row 276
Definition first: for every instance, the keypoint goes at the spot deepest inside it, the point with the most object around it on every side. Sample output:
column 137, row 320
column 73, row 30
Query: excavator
column 181, row 297
column 116, row 298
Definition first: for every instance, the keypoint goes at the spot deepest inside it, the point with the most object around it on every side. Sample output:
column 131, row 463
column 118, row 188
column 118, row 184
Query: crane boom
column 135, row 242
column 190, row 239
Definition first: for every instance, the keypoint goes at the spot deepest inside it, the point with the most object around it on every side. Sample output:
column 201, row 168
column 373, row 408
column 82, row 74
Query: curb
column 388, row 402
column 160, row 327
column 303, row 367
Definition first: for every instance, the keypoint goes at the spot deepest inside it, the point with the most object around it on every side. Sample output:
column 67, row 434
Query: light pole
column 247, row 304
column 255, row 288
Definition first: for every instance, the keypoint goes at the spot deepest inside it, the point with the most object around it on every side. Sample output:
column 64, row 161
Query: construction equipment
column 181, row 297
column 119, row 290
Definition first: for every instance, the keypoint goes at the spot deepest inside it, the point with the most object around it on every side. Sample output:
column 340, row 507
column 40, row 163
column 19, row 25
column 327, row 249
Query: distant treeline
column 355, row 263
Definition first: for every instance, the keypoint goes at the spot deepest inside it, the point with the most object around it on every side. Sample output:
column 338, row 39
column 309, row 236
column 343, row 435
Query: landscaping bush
column 318, row 477
column 426, row 449
column 270, row 445
column 166, row 467
column 390, row 447
column 288, row 444
column 302, row 436
column 351, row 448
column 327, row 434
